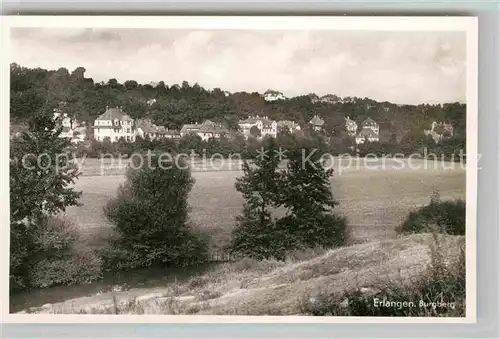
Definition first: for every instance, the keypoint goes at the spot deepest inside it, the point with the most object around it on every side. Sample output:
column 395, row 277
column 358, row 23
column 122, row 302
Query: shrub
column 447, row 216
column 151, row 217
column 323, row 230
column 436, row 288
column 56, row 256
column 256, row 236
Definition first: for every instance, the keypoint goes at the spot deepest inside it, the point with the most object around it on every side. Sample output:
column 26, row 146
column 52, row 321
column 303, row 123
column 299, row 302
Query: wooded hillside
column 41, row 90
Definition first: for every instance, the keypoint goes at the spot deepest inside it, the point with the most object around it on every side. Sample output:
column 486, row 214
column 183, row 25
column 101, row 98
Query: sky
column 400, row 67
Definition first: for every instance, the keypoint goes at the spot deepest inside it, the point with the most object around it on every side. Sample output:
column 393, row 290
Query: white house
column 267, row 127
column 114, row 124
column 271, row 95
column 65, row 121
column 190, row 128
column 288, row 125
column 264, row 124
column 207, row 130
column 66, row 133
column 369, row 123
column 439, row 131
column 366, row 134
column 351, row 126
column 79, row 135
column 71, row 128
column 146, row 129
column 168, row 133
column 317, row 123
column 246, row 124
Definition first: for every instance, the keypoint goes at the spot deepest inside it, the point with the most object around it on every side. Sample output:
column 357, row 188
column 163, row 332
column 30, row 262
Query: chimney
column 107, row 107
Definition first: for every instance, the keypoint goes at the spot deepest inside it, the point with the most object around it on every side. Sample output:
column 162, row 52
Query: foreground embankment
column 279, row 288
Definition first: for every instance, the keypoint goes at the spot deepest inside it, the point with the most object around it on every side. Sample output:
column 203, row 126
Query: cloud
column 402, row 67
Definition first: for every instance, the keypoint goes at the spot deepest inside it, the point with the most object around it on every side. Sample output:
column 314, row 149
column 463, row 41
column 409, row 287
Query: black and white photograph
column 315, row 169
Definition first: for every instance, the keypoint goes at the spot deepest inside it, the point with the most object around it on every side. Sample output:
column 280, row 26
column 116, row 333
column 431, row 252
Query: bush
column 56, row 257
column 151, row 217
column 446, row 216
column 257, row 236
column 323, row 230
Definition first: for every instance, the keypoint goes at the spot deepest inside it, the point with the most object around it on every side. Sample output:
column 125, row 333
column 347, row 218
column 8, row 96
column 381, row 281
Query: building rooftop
column 369, row 122
column 113, row 114
column 317, row 121
column 286, row 123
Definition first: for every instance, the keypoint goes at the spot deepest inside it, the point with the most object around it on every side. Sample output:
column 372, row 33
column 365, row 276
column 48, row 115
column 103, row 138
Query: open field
column 374, row 199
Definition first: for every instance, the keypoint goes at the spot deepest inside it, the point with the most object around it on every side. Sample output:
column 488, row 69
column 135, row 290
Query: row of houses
column 268, row 127
column 116, row 124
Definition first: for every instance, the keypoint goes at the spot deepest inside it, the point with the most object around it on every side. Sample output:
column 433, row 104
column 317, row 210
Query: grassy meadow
column 374, row 198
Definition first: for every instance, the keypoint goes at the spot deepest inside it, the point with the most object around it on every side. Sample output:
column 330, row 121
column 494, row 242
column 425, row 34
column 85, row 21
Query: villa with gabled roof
column 288, row 125
column 264, row 124
column 371, row 124
column 370, row 130
column 207, row 130
column 366, row 134
column 317, row 123
column 272, row 95
column 72, row 129
column 351, row 126
column 114, row 124
column 146, row 129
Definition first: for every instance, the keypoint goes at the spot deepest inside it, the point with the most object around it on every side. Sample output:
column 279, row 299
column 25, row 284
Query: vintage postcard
column 240, row 169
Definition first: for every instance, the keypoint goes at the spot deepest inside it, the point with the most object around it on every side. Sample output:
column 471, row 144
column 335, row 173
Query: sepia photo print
column 300, row 168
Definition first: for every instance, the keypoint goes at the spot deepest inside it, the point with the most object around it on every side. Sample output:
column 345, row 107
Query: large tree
column 41, row 178
column 306, row 192
column 255, row 231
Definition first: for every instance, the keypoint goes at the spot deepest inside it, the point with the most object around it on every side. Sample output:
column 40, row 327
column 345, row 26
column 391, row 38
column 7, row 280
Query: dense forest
column 40, row 90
